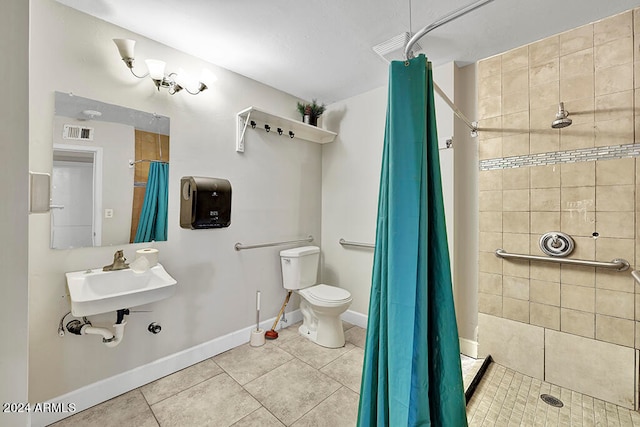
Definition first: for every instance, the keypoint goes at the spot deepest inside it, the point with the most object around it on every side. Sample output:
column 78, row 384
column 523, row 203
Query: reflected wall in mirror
column 110, row 174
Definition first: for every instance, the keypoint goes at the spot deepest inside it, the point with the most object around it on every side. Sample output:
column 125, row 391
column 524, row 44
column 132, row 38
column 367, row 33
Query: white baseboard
column 106, row 389
column 101, row 391
column 469, row 348
column 355, row 318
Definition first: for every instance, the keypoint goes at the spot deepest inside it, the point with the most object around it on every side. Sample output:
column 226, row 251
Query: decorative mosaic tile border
column 570, row 156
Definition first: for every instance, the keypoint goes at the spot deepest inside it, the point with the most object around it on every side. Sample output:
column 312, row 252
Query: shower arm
column 408, row 54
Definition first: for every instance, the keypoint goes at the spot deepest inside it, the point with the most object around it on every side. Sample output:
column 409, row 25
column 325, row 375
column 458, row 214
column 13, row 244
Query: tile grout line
column 149, row 406
column 483, row 396
column 493, row 402
column 312, row 367
column 223, row 371
column 262, row 404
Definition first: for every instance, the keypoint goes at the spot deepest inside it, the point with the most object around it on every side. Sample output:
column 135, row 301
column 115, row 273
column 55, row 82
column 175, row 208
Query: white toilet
column 321, row 305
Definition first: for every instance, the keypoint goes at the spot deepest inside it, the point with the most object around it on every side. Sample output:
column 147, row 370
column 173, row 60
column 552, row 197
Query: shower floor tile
column 508, row 398
column 293, row 382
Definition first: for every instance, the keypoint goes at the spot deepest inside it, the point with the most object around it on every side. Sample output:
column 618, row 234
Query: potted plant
column 311, row 112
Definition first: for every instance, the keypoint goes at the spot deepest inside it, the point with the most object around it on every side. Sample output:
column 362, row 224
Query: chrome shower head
column 562, row 118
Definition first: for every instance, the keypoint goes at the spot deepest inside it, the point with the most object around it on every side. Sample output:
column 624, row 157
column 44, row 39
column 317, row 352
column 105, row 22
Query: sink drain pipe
column 109, row 338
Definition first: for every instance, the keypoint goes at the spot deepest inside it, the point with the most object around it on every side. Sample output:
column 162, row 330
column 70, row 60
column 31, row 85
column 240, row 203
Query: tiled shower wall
column 582, row 180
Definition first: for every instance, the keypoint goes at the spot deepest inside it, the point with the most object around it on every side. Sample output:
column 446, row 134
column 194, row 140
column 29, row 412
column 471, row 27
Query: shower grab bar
column 357, row 244
column 636, row 275
column 618, row 264
column 240, row 246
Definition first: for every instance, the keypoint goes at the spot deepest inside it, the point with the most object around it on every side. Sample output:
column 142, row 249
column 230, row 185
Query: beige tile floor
column 287, row 382
column 293, row 382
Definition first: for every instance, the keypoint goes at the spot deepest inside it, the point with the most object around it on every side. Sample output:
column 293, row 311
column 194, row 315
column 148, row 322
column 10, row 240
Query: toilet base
column 324, row 330
column 322, row 323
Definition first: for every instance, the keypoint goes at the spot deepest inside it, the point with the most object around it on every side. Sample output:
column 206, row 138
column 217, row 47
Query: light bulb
column 182, row 78
column 207, row 78
column 156, row 68
column 125, row 47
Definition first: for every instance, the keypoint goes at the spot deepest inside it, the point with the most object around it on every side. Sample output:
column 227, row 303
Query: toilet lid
column 327, row 293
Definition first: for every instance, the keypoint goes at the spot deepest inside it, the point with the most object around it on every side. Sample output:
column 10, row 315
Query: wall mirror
column 110, row 174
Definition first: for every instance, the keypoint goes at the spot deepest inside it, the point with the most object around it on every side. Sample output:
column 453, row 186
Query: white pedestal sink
column 96, row 291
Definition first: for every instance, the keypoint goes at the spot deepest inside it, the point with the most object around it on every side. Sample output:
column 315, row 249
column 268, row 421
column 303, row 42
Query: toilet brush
column 272, row 334
column 257, row 337
column 257, row 311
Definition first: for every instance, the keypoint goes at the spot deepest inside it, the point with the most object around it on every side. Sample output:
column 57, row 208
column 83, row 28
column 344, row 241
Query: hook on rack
column 267, row 127
column 253, row 124
column 291, row 134
column 279, row 131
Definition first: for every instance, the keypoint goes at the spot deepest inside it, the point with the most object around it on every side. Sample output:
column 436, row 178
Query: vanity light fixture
column 173, row 82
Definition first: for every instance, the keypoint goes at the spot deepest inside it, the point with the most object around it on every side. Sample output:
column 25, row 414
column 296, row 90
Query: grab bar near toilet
column 240, row 246
column 356, row 244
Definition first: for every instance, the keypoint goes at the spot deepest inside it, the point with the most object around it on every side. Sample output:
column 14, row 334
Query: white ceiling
column 323, row 48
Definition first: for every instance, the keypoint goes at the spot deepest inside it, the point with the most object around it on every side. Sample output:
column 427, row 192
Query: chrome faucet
column 118, row 262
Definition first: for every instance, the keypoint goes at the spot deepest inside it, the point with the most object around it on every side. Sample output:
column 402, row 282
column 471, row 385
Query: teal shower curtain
column 411, row 374
column 153, row 218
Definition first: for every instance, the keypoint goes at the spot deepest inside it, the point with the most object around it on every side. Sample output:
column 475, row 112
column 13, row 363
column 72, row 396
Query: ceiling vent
column 77, row 132
column 393, row 49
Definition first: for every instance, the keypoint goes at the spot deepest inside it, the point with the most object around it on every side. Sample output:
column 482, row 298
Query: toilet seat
column 325, row 295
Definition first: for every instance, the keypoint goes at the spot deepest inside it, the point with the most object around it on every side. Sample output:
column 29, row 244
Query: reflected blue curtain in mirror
column 411, row 374
column 153, row 218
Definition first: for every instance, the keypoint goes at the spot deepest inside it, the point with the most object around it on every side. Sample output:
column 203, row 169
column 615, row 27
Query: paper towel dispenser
column 205, row 202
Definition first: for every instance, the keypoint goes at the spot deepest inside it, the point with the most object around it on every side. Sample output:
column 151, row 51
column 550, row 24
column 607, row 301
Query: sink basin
column 96, row 291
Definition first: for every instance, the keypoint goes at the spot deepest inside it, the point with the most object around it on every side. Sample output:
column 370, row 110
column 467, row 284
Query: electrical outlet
column 108, row 213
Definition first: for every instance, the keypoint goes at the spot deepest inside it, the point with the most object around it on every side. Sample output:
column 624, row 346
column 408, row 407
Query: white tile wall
column 596, row 368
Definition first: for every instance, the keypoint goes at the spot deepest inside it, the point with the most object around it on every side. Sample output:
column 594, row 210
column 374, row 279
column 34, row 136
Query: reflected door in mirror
column 72, row 203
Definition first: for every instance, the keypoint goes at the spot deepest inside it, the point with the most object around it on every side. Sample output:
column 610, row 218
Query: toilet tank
column 299, row 267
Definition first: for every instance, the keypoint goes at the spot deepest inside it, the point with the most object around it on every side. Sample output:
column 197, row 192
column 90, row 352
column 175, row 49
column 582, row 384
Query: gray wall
column 276, row 196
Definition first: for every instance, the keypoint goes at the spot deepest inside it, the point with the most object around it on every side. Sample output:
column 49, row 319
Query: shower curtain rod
column 133, row 162
column 408, row 54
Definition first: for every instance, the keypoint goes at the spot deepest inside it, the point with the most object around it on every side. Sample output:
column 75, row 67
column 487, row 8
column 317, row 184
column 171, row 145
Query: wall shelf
column 288, row 126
